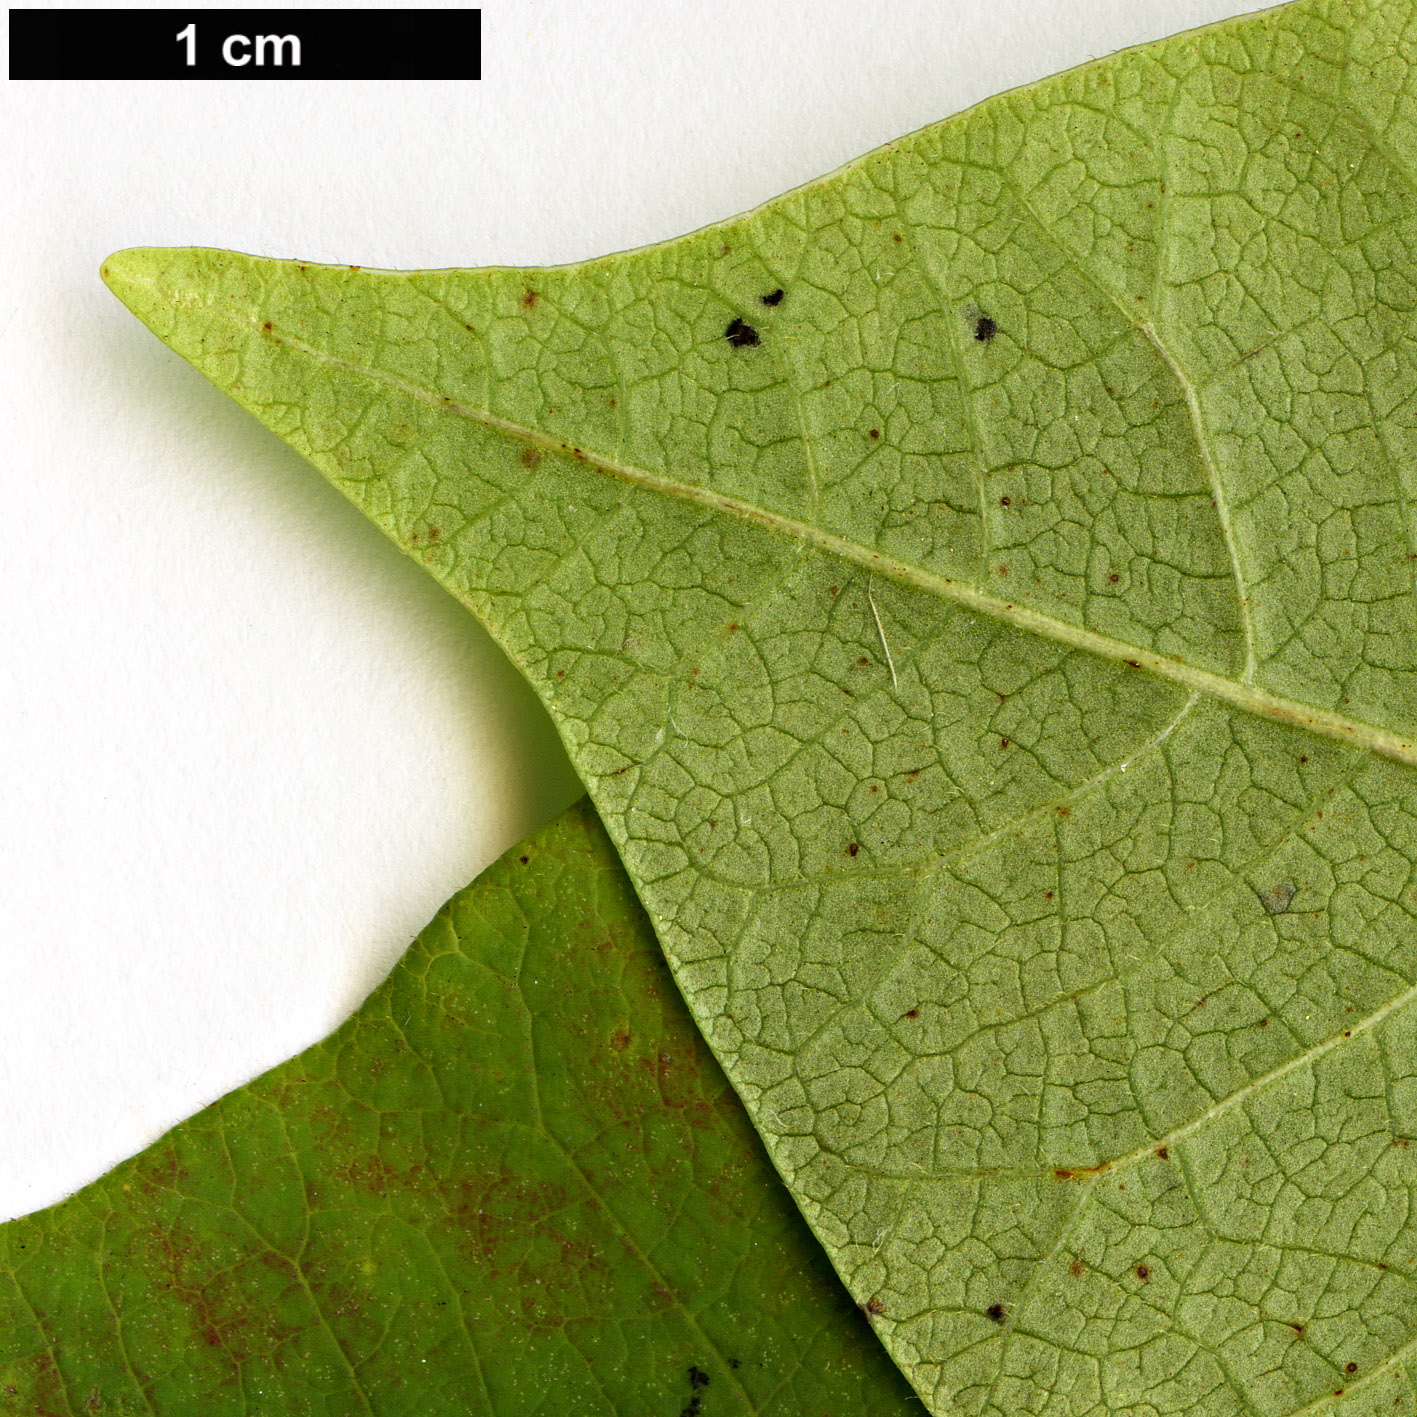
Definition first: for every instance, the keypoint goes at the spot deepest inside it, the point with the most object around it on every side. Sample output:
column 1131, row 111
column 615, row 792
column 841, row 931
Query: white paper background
column 246, row 747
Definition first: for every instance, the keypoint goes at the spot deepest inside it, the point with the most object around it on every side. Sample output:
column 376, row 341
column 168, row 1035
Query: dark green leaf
column 515, row 1182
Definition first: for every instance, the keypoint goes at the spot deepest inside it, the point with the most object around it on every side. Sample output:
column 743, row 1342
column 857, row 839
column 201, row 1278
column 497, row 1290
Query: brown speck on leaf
column 1350, row 1367
column 529, row 299
column 875, row 432
column 741, row 335
column 530, row 457
column 1003, row 568
column 773, row 297
column 874, row 1307
column 897, row 238
column 560, row 673
column 853, row 848
column 1143, row 1273
column 1277, row 898
column 911, row 1013
column 267, row 327
column 1047, row 895
column 863, row 662
column 1298, row 1328
column 620, row 1039
column 1005, row 502
column 832, row 590
column 996, row 1312
column 1114, row 578
column 523, row 859
column 1075, row 1267
column 733, row 628
column 1163, row 1153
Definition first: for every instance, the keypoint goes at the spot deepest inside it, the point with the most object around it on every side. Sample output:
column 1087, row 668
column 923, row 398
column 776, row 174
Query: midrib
column 1248, row 698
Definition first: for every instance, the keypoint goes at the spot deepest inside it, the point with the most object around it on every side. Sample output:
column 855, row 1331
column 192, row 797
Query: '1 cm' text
column 241, row 49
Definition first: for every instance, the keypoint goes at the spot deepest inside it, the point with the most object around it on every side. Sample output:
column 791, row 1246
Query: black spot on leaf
column 996, row 1312
column 741, row 335
column 773, row 297
column 697, row 1378
column 985, row 329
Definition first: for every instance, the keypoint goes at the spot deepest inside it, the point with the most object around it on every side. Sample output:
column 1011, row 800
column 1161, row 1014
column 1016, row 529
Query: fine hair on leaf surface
column 979, row 591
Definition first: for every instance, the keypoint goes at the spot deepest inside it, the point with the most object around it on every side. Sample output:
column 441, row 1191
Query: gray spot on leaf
column 1276, row 899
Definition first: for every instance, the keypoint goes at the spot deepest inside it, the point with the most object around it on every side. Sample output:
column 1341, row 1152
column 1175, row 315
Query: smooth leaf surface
column 978, row 591
column 514, row 1182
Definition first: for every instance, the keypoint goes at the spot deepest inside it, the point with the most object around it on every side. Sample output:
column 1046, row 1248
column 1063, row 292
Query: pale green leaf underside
column 1011, row 737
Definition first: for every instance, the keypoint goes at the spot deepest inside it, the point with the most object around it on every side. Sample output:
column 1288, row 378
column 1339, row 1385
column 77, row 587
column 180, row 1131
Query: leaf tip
column 123, row 269
column 146, row 278
column 135, row 276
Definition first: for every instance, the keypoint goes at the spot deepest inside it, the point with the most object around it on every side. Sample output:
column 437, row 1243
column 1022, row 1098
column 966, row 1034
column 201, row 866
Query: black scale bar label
column 246, row 44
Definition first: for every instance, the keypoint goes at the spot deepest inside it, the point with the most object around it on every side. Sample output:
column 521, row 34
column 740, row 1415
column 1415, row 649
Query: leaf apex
column 125, row 269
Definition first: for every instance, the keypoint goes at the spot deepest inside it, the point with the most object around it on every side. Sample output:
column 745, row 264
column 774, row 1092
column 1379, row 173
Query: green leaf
column 515, row 1181
column 978, row 592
